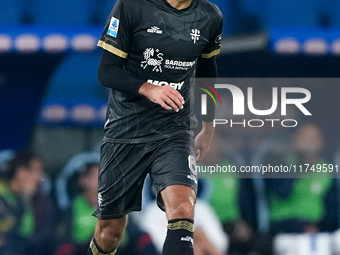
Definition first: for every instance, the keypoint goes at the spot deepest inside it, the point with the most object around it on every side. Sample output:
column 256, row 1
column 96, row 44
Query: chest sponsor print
column 152, row 58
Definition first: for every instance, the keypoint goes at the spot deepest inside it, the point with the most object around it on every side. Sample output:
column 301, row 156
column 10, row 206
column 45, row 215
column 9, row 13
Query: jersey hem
column 144, row 140
column 116, row 216
column 112, row 49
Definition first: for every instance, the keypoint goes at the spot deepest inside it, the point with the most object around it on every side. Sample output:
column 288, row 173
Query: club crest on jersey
column 152, row 58
column 195, row 35
column 113, row 27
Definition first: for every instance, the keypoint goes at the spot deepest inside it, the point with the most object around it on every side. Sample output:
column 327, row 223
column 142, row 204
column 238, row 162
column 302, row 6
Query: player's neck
column 179, row 4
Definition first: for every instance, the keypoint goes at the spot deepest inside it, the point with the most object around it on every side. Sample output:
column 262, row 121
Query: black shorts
column 123, row 169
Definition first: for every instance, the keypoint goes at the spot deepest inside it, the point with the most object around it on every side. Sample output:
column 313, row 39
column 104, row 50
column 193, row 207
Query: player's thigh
column 174, row 164
column 121, row 178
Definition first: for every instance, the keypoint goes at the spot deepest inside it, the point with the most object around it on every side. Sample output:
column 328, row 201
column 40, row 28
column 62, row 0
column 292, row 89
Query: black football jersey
column 161, row 46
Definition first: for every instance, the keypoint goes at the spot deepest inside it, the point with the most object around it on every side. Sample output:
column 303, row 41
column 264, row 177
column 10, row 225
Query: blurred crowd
column 234, row 216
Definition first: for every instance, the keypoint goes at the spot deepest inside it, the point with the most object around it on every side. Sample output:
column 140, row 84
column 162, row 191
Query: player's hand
column 165, row 96
column 203, row 140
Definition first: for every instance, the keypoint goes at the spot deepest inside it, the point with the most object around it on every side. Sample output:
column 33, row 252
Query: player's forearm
column 207, row 68
column 208, row 128
column 111, row 74
column 116, row 78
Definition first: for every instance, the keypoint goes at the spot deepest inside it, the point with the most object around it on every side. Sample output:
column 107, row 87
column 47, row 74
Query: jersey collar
column 188, row 9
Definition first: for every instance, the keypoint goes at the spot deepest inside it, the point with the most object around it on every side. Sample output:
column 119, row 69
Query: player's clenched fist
column 165, row 96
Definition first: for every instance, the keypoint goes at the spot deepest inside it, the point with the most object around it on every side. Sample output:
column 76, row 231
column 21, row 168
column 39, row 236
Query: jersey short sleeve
column 118, row 29
column 213, row 47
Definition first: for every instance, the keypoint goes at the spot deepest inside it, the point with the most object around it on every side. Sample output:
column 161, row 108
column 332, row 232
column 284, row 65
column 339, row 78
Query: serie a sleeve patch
column 113, row 27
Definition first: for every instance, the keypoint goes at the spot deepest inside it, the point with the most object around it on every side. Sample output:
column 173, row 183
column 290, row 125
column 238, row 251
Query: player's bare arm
column 203, row 140
column 206, row 68
column 165, row 96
